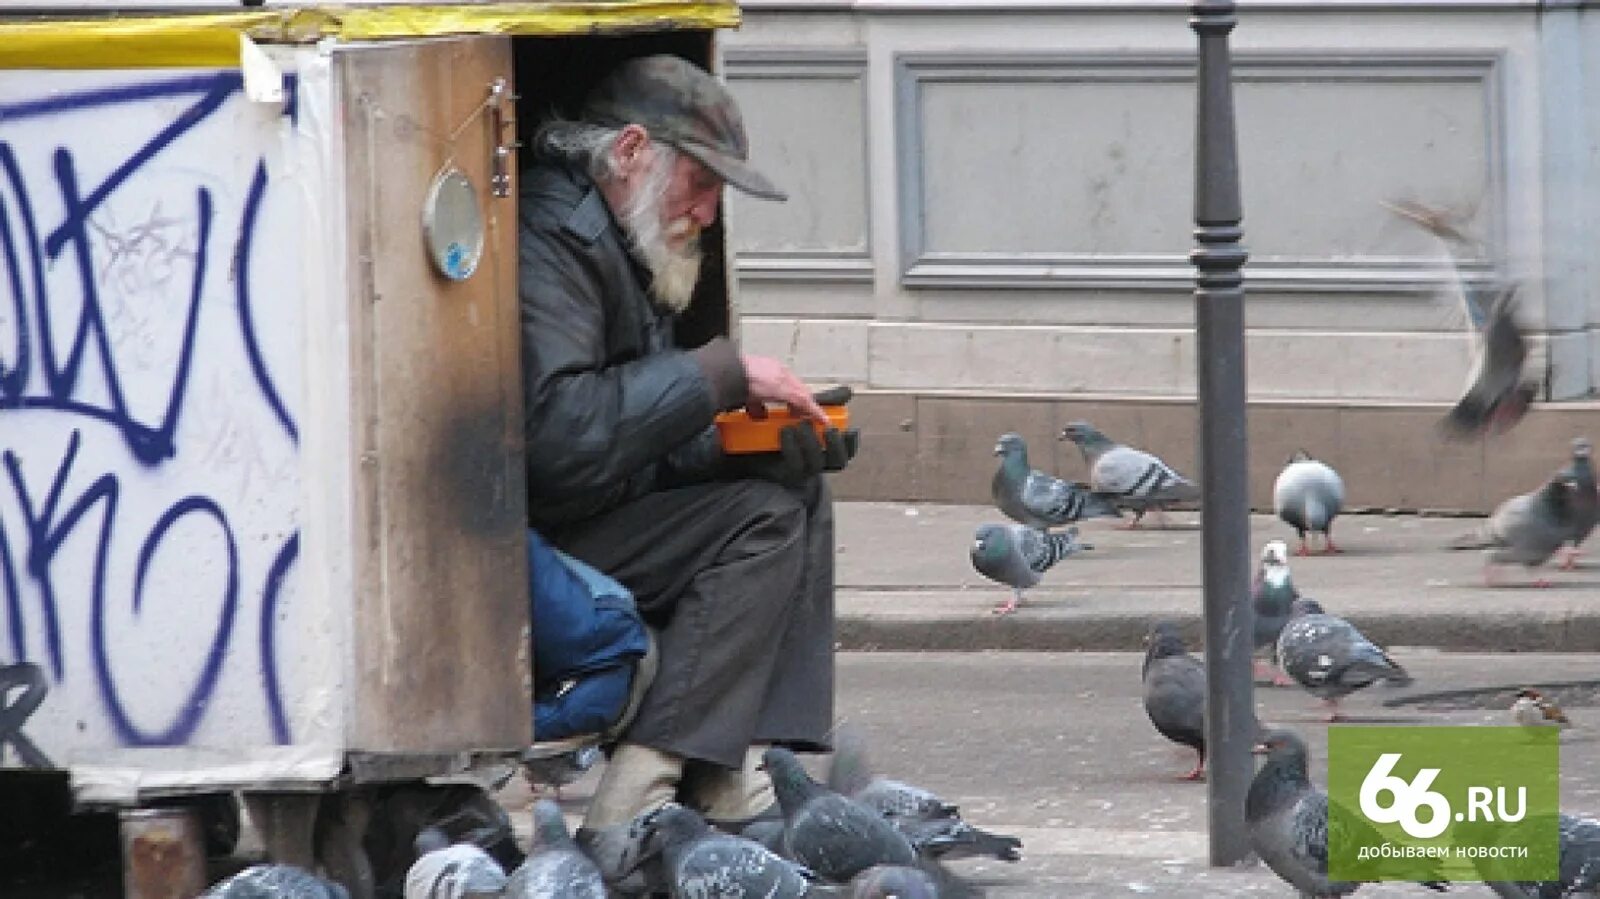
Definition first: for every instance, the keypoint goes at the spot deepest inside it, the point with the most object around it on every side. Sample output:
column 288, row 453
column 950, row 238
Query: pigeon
column 831, row 834
column 1271, row 595
column 1327, row 656
column 1585, row 499
column 1175, row 691
column 894, row 882
column 1036, row 499
column 927, row 880
column 850, row 775
column 1578, row 866
column 1133, row 479
column 560, row 769
column 933, row 826
column 1526, row 529
column 1308, row 495
column 555, row 867
column 275, row 882
column 699, row 862
column 1287, row 820
column 445, row 871
column 1017, row 555
column 766, row 831
column 1496, row 395
column 949, row 839
column 1532, row 709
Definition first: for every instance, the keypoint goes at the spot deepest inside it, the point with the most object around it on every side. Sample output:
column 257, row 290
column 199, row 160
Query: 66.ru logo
column 1406, row 799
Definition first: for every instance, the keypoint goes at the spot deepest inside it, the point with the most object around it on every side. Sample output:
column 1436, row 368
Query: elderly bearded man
column 729, row 558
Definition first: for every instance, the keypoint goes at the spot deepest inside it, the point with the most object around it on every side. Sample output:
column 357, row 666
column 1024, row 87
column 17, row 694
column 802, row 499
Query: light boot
column 732, row 797
column 636, row 779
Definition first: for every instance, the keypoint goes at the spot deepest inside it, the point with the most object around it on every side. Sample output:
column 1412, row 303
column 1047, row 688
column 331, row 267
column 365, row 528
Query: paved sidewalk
column 905, row 582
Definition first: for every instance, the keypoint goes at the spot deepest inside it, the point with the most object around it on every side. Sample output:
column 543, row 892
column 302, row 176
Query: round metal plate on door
column 452, row 224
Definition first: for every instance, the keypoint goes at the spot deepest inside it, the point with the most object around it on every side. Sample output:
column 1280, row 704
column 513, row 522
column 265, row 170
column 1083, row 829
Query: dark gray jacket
column 613, row 409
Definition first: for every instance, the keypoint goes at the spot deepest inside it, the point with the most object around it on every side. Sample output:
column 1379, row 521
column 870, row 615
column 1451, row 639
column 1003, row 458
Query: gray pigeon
column 1578, row 869
column 850, row 775
column 1036, row 499
column 1175, row 691
column 1017, row 555
column 1496, row 395
column 1308, row 495
column 949, row 839
column 1131, row 478
column 1327, row 656
column 1287, row 819
column 928, row 880
column 766, row 831
column 560, row 768
column 1271, row 596
column 555, row 867
column 1585, row 499
column 894, row 882
column 832, row 835
column 699, row 862
column 1526, row 529
column 275, row 882
column 933, row 826
column 445, row 871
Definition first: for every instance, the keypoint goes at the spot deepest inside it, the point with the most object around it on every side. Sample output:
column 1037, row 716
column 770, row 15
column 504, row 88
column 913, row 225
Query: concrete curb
column 1479, row 632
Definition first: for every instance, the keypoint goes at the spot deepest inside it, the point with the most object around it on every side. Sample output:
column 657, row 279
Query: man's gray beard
column 673, row 272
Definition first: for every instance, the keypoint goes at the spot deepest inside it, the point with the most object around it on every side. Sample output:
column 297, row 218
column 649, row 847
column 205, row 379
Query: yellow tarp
column 205, row 40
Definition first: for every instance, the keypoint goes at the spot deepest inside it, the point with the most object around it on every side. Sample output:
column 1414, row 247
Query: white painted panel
column 807, row 133
column 1094, row 163
column 163, row 238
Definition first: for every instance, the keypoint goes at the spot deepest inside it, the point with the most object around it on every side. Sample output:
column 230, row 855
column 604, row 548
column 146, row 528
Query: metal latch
column 499, row 120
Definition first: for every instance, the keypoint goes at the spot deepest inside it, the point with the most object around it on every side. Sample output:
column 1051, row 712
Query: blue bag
column 588, row 639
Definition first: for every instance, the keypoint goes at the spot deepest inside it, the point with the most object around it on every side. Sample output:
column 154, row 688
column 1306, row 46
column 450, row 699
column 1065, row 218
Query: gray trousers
column 737, row 578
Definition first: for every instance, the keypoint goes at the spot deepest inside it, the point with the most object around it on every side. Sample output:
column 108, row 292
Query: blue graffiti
column 28, row 680
column 27, row 250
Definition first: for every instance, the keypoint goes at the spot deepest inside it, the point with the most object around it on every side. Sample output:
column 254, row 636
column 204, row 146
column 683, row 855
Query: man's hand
column 801, row 454
column 770, row 381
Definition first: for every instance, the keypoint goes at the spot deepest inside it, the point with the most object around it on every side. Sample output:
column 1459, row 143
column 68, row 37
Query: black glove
column 800, row 454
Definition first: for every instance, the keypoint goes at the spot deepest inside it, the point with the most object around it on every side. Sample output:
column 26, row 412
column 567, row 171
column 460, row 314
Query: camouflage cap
column 682, row 105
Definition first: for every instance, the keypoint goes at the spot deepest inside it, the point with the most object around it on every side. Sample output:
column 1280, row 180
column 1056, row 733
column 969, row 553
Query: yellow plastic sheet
column 211, row 40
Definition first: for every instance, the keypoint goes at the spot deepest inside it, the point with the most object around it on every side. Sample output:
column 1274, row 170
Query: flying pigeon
column 1017, row 555
column 275, row 882
column 1132, row 478
column 1327, row 656
column 1271, row 595
column 559, row 769
column 445, row 871
column 1578, row 866
column 1175, row 691
column 933, row 826
column 699, row 862
column 1585, row 499
column 1308, row 495
column 1036, row 499
column 1496, row 395
column 555, row 866
column 1532, row 709
column 832, row 835
column 1287, row 820
column 1526, row 529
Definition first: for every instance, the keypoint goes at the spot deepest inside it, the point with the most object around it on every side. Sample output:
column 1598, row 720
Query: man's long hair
column 674, row 271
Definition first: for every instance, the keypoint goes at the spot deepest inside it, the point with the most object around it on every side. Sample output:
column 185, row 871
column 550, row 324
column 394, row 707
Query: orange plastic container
column 740, row 433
